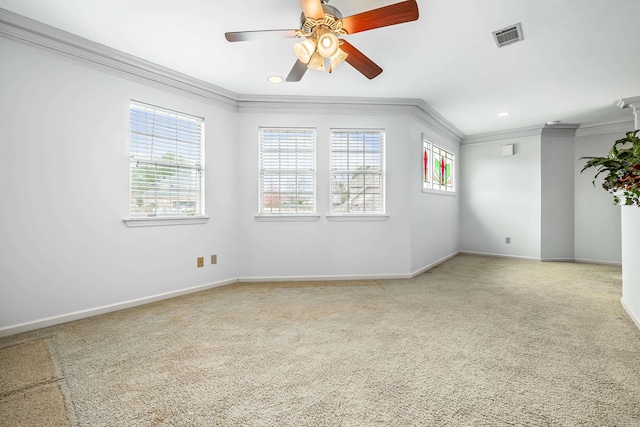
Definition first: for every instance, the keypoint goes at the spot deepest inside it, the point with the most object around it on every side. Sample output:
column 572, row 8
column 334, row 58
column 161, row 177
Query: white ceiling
column 577, row 58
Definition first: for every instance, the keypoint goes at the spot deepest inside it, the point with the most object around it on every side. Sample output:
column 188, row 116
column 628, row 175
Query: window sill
column 357, row 217
column 287, row 218
column 157, row 222
column 441, row 192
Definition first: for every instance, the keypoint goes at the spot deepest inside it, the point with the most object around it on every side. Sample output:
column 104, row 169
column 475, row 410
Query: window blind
column 166, row 163
column 287, row 171
column 357, row 171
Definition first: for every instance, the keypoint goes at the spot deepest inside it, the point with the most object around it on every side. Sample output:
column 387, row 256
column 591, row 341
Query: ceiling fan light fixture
column 316, row 62
column 304, row 50
column 321, row 30
column 328, row 44
column 337, row 59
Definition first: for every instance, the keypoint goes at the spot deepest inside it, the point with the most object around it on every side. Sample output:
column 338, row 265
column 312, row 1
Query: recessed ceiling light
column 275, row 79
column 553, row 122
column 503, row 114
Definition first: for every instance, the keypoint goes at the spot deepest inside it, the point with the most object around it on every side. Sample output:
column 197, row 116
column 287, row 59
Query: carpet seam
column 59, row 372
column 26, row 342
column 28, row 388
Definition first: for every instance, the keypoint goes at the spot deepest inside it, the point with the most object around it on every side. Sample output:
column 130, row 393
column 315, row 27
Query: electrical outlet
column 200, row 261
column 214, row 259
column 507, row 240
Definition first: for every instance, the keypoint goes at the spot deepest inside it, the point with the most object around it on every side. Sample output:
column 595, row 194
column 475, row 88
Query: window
column 287, row 171
column 166, row 151
column 426, row 159
column 437, row 168
column 357, row 171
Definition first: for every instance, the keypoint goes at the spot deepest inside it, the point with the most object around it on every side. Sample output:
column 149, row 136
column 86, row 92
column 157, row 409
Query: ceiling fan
column 322, row 26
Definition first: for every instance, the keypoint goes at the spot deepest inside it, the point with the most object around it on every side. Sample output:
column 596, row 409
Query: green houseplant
column 622, row 167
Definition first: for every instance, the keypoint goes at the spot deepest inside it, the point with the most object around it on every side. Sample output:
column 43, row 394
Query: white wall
column 323, row 248
column 597, row 220
column 630, row 261
column 434, row 217
column 65, row 252
column 557, row 192
column 326, row 249
column 64, row 193
column 501, row 197
column 630, row 229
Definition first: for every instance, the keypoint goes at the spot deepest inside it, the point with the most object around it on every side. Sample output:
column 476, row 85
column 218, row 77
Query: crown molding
column 481, row 138
column 425, row 113
column 614, row 126
column 633, row 102
column 560, row 130
column 319, row 104
column 19, row 28
column 417, row 108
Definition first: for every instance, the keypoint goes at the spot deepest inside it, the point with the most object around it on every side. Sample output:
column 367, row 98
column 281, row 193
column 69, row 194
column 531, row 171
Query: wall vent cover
column 508, row 35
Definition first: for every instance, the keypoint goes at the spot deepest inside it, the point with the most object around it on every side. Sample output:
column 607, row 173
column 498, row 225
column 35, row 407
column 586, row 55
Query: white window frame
column 377, row 215
column 303, row 157
column 181, row 137
column 428, row 184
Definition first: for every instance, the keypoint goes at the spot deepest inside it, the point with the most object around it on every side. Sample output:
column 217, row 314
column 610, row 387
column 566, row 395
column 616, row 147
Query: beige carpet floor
column 476, row 341
column 29, row 389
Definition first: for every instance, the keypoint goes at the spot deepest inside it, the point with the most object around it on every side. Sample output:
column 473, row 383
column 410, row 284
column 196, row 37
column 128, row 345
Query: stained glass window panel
column 442, row 175
column 426, row 157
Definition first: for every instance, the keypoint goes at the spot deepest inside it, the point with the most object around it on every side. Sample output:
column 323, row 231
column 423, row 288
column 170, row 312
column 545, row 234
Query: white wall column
column 631, row 239
column 557, row 192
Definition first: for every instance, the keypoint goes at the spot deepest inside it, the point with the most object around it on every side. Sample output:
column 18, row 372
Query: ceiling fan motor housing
column 321, row 30
column 328, row 10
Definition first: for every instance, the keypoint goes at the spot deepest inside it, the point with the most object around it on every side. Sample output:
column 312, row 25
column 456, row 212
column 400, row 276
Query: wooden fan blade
column 297, row 72
column 359, row 61
column 398, row 13
column 312, row 9
column 243, row 36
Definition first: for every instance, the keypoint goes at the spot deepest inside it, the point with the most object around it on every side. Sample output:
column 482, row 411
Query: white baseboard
column 433, row 264
column 596, row 261
column 82, row 314
column 256, row 279
column 632, row 315
column 586, row 261
column 500, row 255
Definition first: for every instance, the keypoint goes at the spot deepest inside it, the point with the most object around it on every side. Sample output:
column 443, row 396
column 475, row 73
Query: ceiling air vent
column 508, row 35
